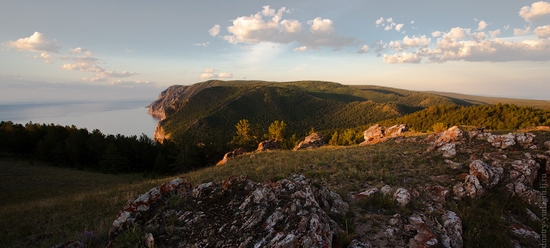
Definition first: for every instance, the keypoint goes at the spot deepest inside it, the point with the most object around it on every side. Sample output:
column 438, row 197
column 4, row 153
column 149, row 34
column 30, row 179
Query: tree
column 276, row 130
column 244, row 133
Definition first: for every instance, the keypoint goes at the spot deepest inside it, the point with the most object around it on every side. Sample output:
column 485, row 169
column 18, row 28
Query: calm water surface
column 123, row 117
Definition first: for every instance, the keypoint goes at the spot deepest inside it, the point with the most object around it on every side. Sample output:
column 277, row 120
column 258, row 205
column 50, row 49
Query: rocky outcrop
column 268, row 145
column 446, row 141
column 292, row 212
column 232, row 154
column 159, row 135
column 377, row 133
column 314, row 140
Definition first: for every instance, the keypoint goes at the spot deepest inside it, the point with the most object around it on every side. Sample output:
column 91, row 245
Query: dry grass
column 43, row 206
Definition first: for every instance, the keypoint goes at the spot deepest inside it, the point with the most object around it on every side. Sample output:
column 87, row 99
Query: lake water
column 110, row 117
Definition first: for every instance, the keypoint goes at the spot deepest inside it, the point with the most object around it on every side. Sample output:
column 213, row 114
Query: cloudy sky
column 52, row 50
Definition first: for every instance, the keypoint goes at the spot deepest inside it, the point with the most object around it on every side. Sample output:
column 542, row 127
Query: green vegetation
column 495, row 117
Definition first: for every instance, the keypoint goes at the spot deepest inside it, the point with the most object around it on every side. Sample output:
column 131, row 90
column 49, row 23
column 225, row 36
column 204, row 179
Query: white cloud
column 436, row 34
column 300, row 49
column 379, row 21
column 114, row 74
column 413, row 42
column 46, row 57
column 208, row 73
column 364, row 49
column 522, row 32
column 204, row 44
column 80, row 50
column 83, row 66
column 542, row 31
column 538, row 11
column 494, row 33
column 214, row 30
column 131, row 84
column 255, row 29
column 398, row 27
column 402, row 58
column 389, row 20
column 321, row 26
column 37, row 42
column 482, row 25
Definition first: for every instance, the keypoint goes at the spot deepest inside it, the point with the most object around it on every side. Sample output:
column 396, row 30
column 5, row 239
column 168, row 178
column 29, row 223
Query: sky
column 132, row 49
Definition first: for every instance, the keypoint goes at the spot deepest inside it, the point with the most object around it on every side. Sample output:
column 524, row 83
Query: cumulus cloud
column 538, row 11
column 522, row 32
column 300, row 49
column 436, row 34
column 114, row 74
column 204, row 44
column 413, row 42
column 269, row 26
column 542, row 31
column 363, row 49
column 459, row 44
column 209, row 73
column 214, row 30
column 494, row 33
column 379, row 21
column 46, row 57
column 398, row 27
column 37, row 42
column 482, row 25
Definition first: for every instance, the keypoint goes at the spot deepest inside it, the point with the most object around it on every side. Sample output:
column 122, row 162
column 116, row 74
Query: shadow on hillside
column 337, row 97
column 382, row 91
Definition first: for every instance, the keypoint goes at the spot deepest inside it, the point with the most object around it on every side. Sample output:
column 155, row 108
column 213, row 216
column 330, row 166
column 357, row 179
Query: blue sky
column 74, row 50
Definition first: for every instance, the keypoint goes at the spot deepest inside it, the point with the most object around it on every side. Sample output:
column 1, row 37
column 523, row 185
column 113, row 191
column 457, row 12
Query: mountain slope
column 214, row 107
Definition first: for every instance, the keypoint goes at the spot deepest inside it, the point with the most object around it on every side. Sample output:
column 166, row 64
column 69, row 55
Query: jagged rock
column 232, row 154
column 528, row 169
column 459, row 191
column 453, row 230
column 314, row 140
column 238, row 212
column 526, row 140
column 377, row 133
column 473, row 187
column 524, row 232
column 159, row 135
column 268, row 145
column 446, row 141
column 489, row 176
column 366, row 194
column 149, row 240
column 547, row 144
column 358, row 244
column 402, row 196
column 424, row 236
column 528, row 195
column 385, row 190
column 502, row 141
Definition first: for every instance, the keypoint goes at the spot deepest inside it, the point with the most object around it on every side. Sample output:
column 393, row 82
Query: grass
column 43, row 206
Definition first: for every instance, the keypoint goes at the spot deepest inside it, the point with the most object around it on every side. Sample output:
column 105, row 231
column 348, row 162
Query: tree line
column 70, row 146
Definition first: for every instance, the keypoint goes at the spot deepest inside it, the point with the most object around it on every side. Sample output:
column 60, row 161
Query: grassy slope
column 541, row 104
column 44, row 206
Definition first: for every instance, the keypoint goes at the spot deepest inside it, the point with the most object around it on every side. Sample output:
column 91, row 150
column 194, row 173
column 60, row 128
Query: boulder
column 528, row 195
column 437, row 193
column 424, row 236
column 377, row 133
column 473, row 187
column 268, row 145
column 232, row 154
column 452, row 225
column 547, row 144
column 402, row 196
column 524, row 232
column 366, row 194
column 358, row 244
column 385, row 190
column 314, row 140
column 487, row 175
column 235, row 213
column 446, row 141
column 525, row 171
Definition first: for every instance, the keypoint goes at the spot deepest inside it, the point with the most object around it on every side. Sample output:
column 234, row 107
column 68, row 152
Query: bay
column 110, row 117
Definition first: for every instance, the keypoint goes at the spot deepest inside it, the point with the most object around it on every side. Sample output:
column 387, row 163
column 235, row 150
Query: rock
column 524, row 232
column 547, row 144
column 377, row 133
column 459, row 191
column 502, row 141
column 481, row 171
column 268, row 145
column 528, row 195
column 526, row 140
column 446, row 141
column 232, row 154
column 473, row 187
column 385, row 190
column 237, row 212
column 358, row 244
column 149, row 240
column 424, row 236
column 453, row 229
column 528, row 168
column 314, row 140
column 402, row 196
column 366, row 194
column 159, row 135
